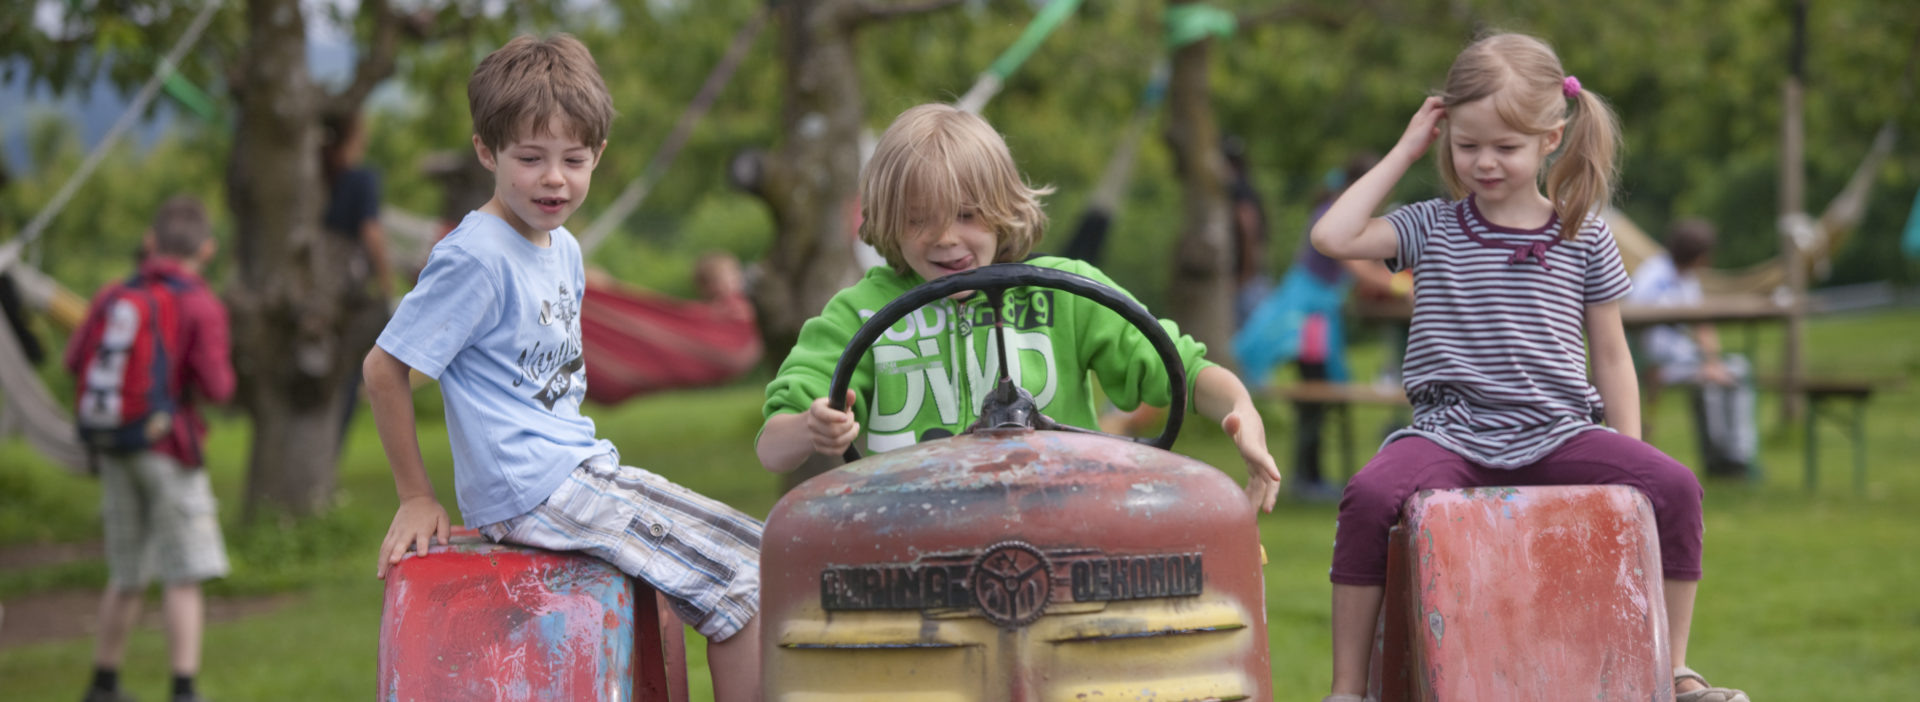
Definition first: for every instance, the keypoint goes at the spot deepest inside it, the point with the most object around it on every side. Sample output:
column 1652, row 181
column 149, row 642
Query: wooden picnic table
column 1338, row 398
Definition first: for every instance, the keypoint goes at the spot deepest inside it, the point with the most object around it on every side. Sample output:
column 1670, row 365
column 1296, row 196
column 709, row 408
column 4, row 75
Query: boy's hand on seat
column 418, row 521
column 832, row 430
column 1250, row 436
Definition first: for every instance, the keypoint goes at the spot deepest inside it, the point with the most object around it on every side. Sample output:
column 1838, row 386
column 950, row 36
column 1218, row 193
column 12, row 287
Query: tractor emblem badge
column 1012, row 582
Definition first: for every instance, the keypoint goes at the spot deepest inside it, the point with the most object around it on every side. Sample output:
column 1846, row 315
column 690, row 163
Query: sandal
column 1706, row 694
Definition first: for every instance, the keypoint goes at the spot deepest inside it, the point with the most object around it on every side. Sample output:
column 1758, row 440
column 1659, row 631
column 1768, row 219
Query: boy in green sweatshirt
column 942, row 196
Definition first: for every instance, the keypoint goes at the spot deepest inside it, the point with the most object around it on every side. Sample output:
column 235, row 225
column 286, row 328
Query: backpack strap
column 177, row 286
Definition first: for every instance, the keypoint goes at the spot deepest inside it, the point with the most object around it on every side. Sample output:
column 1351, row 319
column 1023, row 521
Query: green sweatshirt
column 929, row 373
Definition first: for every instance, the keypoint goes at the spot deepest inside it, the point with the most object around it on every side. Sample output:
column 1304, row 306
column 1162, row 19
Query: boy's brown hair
column 517, row 90
column 934, row 161
column 180, row 227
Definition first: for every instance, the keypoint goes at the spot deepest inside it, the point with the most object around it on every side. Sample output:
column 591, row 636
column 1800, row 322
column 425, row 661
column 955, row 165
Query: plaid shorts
column 161, row 520
column 702, row 554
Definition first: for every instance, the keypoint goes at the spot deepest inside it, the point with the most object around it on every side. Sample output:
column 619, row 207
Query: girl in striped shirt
column 1513, row 286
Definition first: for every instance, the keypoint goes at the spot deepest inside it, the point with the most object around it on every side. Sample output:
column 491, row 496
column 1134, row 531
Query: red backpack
column 127, row 355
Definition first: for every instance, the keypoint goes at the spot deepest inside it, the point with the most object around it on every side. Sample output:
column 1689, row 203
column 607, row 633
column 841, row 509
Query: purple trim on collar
column 1471, row 221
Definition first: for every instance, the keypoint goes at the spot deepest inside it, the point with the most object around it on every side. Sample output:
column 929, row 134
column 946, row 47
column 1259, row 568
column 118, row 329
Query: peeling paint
column 1063, row 493
column 479, row 620
column 1526, row 588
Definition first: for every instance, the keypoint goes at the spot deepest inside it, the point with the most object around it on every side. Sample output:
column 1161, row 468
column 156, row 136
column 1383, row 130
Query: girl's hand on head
column 1424, row 128
column 832, row 430
column 1250, row 436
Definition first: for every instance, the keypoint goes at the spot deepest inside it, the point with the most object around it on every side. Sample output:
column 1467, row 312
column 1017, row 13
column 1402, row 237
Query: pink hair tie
column 1570, row 87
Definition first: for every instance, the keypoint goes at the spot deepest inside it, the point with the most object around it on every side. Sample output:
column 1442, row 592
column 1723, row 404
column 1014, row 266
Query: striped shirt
column 1496, row 363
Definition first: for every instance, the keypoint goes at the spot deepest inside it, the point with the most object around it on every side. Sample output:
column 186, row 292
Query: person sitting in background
column 722, row 284
column 1675, row 354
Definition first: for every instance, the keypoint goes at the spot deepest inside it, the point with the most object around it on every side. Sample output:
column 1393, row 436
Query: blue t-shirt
column 496, row 320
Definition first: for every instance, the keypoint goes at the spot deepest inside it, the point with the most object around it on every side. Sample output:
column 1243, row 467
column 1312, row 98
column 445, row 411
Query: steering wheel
column 1009, row 405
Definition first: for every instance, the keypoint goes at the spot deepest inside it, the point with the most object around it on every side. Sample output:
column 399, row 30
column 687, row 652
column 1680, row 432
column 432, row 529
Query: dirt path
column 58, row 615
column 27, row 556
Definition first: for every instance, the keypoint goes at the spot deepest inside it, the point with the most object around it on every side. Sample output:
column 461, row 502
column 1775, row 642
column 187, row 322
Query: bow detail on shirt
column 1538, row 250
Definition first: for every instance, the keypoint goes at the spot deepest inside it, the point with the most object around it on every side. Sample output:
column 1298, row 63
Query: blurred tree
column 1203, row 270
column 1203, row 280
column 286, row 297
column 1696, row 83
column 811, row 178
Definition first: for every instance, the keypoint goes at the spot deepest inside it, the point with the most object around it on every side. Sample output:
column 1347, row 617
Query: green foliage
column 39, row 506
column 122, row 42
column 1696, row 82
column 96, row 238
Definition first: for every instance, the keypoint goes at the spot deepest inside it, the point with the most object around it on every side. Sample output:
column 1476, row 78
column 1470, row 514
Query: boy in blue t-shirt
column 496, row 319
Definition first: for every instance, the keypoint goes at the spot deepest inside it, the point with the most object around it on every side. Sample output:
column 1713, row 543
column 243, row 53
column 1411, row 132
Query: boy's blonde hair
column 517, row 90
column 1529, row 90
column 934, row 161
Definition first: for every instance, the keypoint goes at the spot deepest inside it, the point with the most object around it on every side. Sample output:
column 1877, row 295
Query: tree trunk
column 1202, row 293
column 286, row 306
column 814, row 173
column 809, row 180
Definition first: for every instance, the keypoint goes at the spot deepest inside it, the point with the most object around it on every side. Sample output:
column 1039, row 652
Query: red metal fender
column 1525, row 593
column 477, row 620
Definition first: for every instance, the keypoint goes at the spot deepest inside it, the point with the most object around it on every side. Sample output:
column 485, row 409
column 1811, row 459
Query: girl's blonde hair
column 1531, row 93
column 934, row 161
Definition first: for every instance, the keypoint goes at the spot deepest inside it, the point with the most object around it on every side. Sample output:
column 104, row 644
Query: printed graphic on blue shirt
column 552, row 368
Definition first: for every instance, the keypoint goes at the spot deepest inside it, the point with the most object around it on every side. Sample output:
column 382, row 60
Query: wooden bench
column 1829, row 397
column 1842, row 400
column 1337, row 398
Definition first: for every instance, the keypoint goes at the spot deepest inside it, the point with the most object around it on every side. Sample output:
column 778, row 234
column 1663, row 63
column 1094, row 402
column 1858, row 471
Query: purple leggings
column 1371, row 505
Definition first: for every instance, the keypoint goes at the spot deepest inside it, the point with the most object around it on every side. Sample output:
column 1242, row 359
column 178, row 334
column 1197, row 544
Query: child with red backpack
column 150, row 347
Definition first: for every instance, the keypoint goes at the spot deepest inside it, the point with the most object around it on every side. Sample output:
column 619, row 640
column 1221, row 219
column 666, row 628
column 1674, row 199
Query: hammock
column 1828, row 233
column 26, row 407
column 638, row 342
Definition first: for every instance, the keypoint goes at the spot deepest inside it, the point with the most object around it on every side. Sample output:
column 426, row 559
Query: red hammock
column 637, row 342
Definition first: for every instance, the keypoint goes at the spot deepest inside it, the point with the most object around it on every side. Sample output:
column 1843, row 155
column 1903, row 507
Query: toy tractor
column 1019, row 560
column 1024, row 560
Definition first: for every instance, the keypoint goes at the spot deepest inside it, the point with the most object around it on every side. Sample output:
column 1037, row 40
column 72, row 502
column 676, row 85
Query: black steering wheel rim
column 1003, row 276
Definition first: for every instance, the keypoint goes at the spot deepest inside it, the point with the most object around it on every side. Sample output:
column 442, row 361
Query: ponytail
column 1582, row 177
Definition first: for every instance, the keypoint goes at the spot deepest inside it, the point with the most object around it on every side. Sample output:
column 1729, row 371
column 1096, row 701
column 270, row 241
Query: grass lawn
column 1806, row 595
